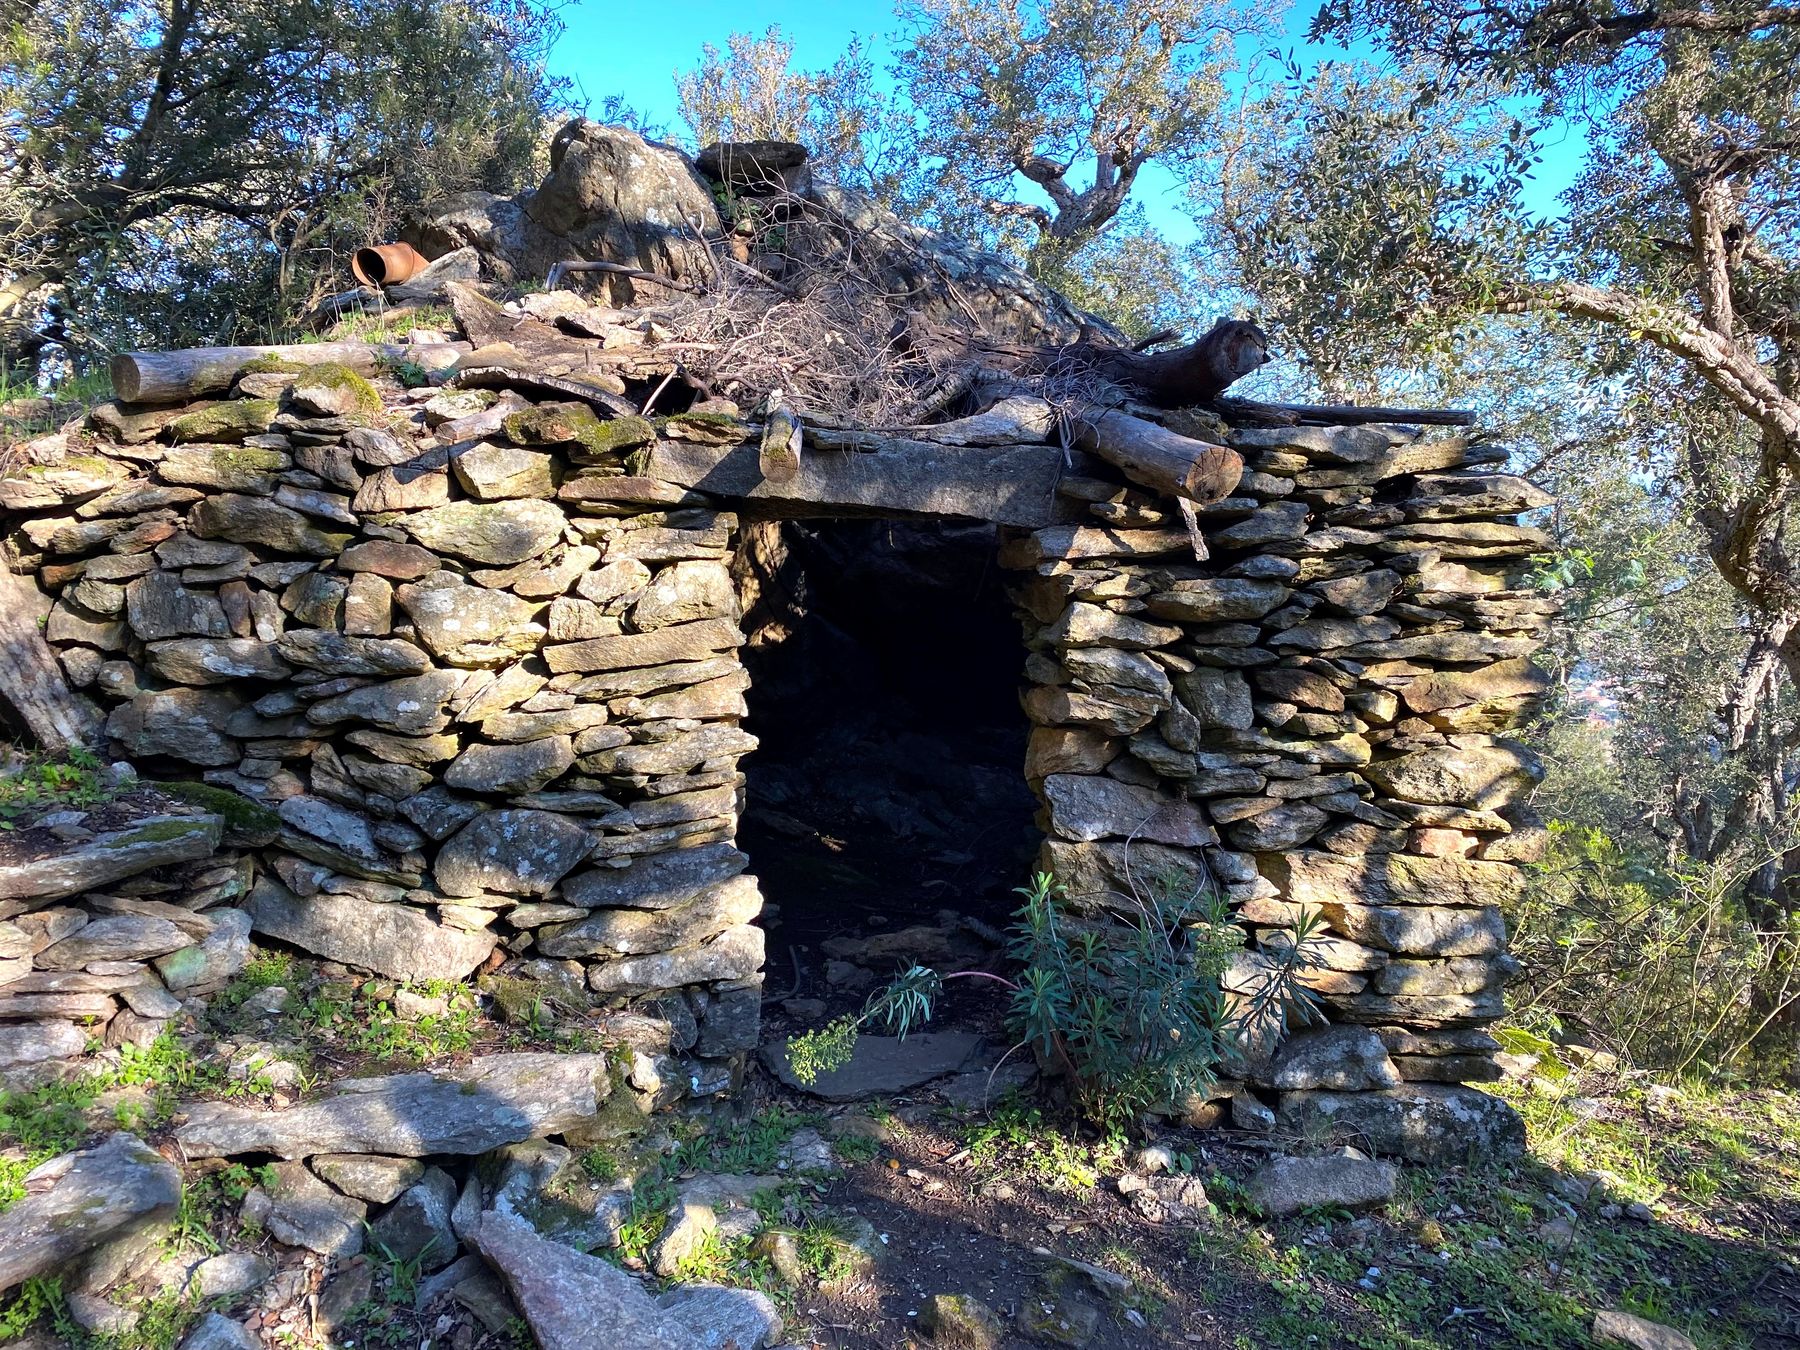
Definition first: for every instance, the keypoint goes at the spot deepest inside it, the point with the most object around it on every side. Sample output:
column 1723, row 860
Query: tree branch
column 1733, row 372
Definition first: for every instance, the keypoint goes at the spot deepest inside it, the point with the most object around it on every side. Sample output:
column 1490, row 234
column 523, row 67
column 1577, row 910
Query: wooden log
column 176, row 377
column 543, row 385
column 1010, row 486
column 1158, row 458
column 1182, row 377
column 782, row 441
column 32, row 686
column 1018, row 419
column 1345, row 414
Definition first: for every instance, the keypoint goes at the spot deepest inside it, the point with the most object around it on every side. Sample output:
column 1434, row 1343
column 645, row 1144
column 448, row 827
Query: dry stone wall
column 1312, row 720
column 470, row 715
column 464, row 677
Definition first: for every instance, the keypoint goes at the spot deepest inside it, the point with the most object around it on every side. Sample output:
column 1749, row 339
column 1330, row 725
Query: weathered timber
column 1019, row 419
column 1182, row 377
column 1162, row 459
column 558, row 271
column 544, row 385
column 176, row 377
column 1249, row 411
column 1012, row 486
column 31, row 682
column 782, row 441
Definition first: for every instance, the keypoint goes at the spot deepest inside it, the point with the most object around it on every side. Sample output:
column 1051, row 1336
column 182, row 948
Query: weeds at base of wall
column 1130, row 1013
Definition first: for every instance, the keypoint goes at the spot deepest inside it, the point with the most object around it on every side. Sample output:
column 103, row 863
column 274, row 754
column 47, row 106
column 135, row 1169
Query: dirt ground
column 1464, row 1257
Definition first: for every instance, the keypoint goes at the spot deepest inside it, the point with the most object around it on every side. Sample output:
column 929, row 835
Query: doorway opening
column 887, row 816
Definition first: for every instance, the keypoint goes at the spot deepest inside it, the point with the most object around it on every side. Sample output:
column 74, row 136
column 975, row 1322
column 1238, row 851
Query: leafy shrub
column 1662, row 964
column 1131, row 1011
column 39, row 1299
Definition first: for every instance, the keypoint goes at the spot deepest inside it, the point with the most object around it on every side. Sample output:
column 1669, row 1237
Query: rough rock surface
column 396, row 940
column 498, row 1099
column 572, row 1301
column 159, row 841
column 1424, row 1123
column 1343, row 1058
column 883, row 1064
column 76, row 1202
column 305, row 1212
column 513, row 852
column 1284, row 1186
column 1615, row 1327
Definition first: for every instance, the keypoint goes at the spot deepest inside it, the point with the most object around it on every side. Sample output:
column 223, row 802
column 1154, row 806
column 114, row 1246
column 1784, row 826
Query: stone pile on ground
column 441, row 1169
column 114, row 923
column 1311, row 720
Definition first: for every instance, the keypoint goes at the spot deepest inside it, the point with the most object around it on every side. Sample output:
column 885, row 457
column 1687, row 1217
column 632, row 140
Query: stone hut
column 442, row 642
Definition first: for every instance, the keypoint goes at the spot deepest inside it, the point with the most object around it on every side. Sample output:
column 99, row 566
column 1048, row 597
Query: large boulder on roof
column 613, row 196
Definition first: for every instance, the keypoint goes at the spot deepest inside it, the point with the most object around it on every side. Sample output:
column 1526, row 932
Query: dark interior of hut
column 887, row 815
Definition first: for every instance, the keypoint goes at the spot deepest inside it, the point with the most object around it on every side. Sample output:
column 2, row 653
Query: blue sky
column 634, row 51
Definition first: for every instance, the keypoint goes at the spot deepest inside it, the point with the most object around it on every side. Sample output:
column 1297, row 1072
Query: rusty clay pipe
column 387, row 264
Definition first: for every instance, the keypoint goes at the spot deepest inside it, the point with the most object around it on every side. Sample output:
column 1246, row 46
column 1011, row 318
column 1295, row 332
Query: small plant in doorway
column 1130, row 1011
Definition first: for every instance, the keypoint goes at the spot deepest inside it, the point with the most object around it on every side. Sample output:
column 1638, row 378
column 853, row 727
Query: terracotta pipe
column 387, row 264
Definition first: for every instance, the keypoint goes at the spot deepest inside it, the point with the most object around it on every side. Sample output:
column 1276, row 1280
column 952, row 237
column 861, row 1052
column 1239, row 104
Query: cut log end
column 1160, row 459
column 1214, row 476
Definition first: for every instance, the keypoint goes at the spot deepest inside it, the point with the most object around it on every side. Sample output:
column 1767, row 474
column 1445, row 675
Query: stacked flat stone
column 1311, row 720
column 479, row 674
column 492, row 714
column 109, row 940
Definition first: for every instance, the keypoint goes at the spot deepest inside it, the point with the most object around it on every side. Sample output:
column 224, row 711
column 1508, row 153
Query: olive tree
column 1067, row 99
column 1679, row 239
column 189, row 168
column 857, row 135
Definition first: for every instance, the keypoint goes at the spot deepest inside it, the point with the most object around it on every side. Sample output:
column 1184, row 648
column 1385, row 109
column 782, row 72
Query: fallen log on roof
column 1158, row 458
column 177, row 377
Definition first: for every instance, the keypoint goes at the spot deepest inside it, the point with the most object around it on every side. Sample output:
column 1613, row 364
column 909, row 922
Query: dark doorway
column 887, row 797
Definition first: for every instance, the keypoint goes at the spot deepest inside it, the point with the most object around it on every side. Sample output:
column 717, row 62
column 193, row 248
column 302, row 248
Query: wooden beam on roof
column 1009, row 485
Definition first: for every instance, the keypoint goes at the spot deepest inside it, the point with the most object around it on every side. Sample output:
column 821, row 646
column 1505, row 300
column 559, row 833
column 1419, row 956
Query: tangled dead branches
column 823, row 317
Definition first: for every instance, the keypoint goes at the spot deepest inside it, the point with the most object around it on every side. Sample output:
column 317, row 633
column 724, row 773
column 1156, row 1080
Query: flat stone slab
column 1429, row 1123
column 882, row 1064
column 396, row 940
column 76, row 1202
column 723, row 1318
column 499, row 1099
column 158, row 841
column 573, row 1301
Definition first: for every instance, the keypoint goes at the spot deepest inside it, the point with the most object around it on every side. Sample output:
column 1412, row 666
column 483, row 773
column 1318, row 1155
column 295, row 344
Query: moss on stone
column 710, row 428
column 550, row 424
column 230, row 421
column 622, row 433
column 620, row 1119
column 93, row 464
column 364, row 398
column 270, row 364
column 519, row 1002
column 246, row 459
column 156, row 832
column 247, row 823
column 575, row 424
